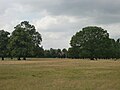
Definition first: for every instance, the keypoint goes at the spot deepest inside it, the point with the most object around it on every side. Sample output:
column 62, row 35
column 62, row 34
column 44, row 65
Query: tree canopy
column 92, row 42
column 24, row 40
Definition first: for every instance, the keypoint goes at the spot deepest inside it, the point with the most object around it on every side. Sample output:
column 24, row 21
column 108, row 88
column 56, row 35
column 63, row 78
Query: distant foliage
column 55, row 53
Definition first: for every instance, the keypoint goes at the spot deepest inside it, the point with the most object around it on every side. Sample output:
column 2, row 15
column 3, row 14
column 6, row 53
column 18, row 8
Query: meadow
column 59, row 74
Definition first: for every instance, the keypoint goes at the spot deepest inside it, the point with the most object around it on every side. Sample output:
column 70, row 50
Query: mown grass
column 60, row 74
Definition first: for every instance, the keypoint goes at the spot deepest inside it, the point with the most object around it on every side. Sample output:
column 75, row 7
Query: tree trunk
column 24, row 58
column 91, row 58
column 19, row 58
column 2, row 58
column 11, row 57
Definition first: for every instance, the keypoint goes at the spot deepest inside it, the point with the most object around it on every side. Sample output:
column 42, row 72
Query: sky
column 58, row 20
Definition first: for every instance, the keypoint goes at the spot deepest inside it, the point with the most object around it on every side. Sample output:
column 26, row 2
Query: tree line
column 91, row 42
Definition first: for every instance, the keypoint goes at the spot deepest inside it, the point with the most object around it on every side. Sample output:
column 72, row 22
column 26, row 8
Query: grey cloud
column 83, row 8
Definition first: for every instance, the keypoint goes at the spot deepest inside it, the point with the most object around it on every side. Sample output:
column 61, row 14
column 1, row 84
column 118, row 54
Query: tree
column 117, row 49
column 73, row 52
column 90, row 41
column 38, row 52
column 53, row 53
column 20, row 43
column 58, row 53
column 24, row 40
column 4, row 37
column 47, row 54
column 36, row 37
column 64, row 53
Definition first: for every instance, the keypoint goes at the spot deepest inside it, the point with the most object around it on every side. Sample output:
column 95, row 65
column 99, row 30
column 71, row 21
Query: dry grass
column 59, row 74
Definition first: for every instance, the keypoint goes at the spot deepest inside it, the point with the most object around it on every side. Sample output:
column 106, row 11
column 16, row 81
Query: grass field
column 60, row 74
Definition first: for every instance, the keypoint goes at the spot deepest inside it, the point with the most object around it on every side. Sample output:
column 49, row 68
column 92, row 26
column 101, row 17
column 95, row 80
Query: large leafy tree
column 19, row 44
column 24, row 40
column 4, row 37
column 36, row 36
column 91, row 42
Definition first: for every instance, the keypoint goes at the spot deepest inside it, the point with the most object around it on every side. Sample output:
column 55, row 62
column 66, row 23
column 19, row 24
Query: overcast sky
column 59, row 20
